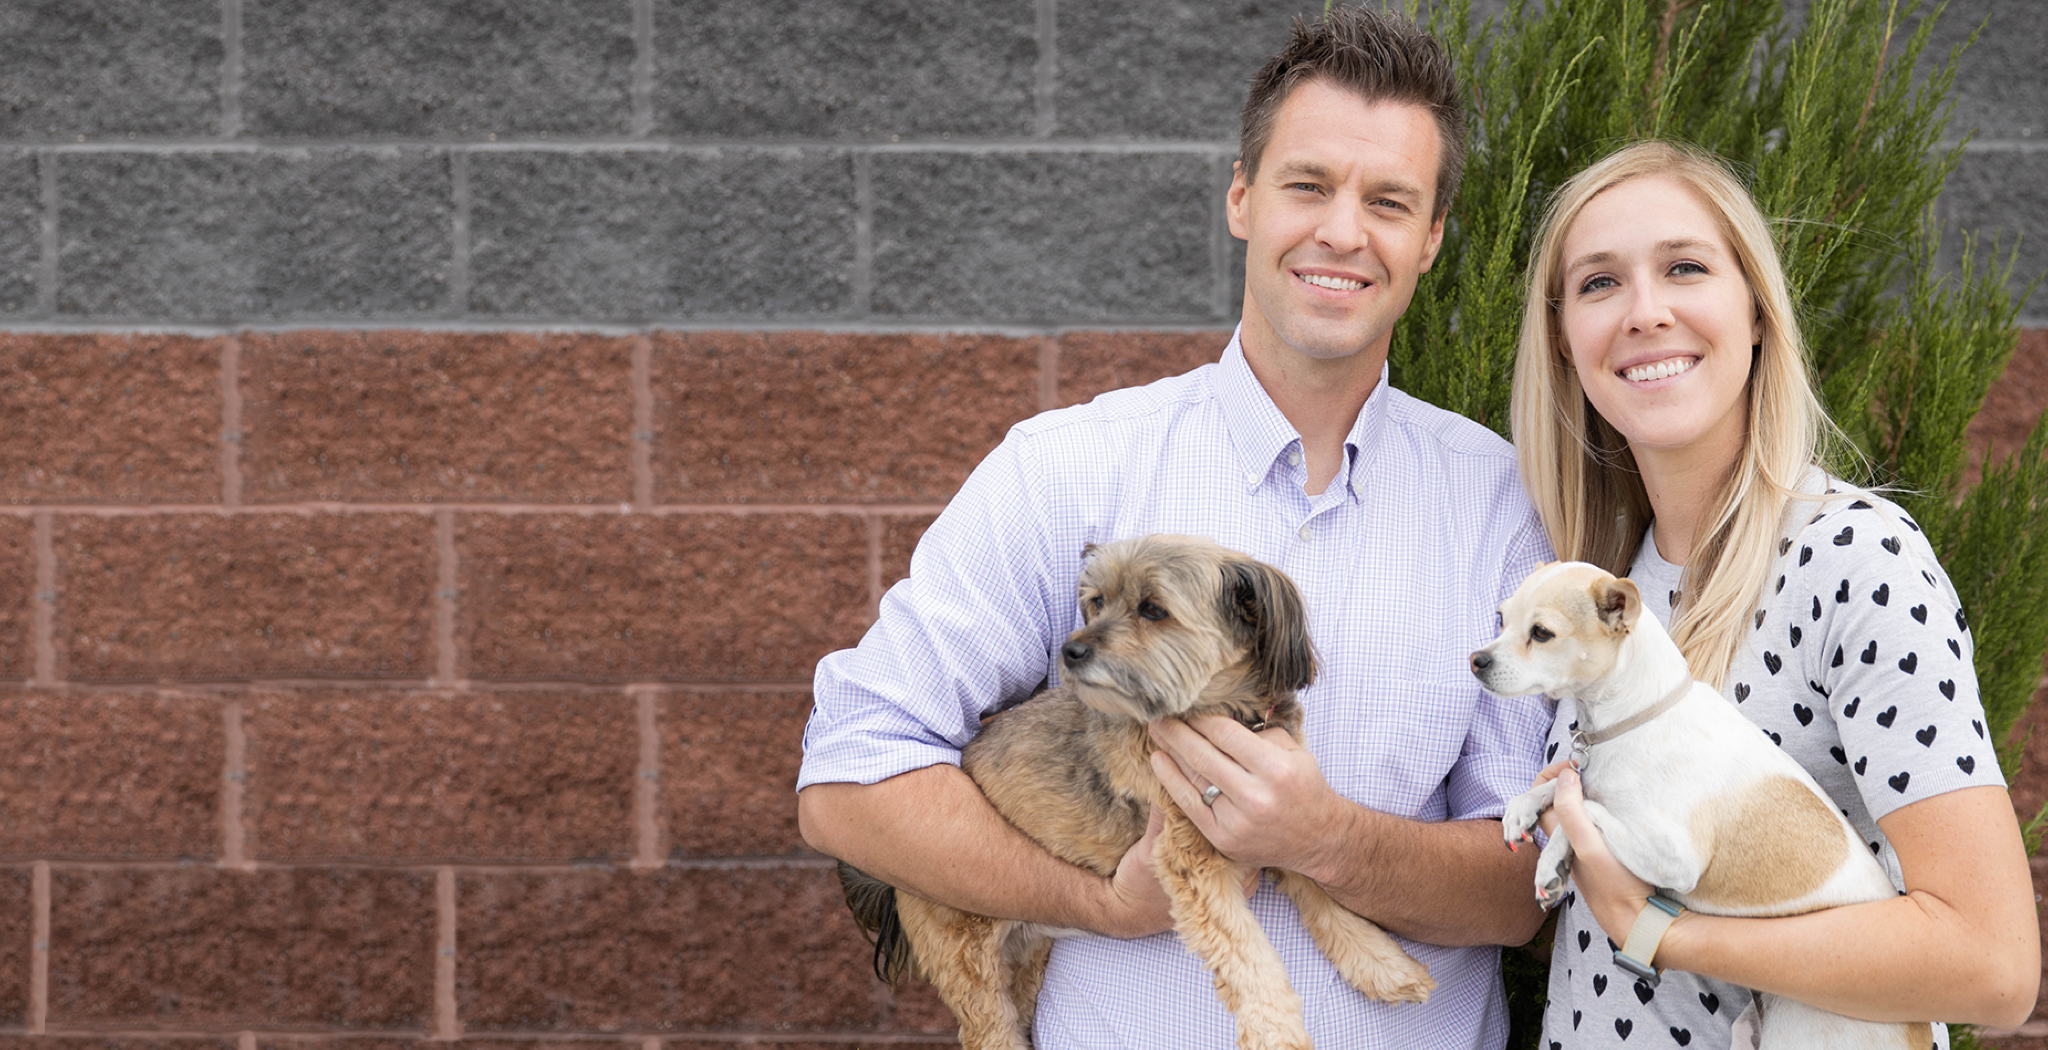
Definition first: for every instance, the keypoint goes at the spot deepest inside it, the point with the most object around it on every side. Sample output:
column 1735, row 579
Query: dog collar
column 1262, row 721
column 1582, row 741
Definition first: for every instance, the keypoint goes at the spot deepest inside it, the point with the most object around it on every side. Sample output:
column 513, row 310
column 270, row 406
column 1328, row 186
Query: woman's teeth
column 1659, row 370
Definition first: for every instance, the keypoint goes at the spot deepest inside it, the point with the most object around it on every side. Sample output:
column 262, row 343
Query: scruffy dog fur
column 1696, row 801
column 1173, row 626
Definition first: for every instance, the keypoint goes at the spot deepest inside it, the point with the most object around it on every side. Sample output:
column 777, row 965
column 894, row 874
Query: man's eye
column 1151, row 610
column 1539, row 633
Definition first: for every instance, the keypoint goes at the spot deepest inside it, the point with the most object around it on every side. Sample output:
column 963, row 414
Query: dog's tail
column 873, row 903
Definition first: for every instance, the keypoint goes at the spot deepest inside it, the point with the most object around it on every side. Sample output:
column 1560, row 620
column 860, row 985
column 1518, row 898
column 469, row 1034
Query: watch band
column 1643, row 938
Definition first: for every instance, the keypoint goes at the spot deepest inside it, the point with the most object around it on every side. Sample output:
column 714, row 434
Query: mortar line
column 632, row 1039
column 419, row 685
column 873, row 523
column 643, row 68
column 43, row 608
column 234, row 846
column 1048, row 373
column 863, row 234
column 458, row 233
column 447, row 591
column 231, row 68
column 46, row 268
column 1046, row 75
column 584, row 326
column 1029, row 142
column 39, row 938
column 781, row 862
column 647, row 783
column 447, row 1021
column 588, row 510
column 642, row 446
column 231, row 421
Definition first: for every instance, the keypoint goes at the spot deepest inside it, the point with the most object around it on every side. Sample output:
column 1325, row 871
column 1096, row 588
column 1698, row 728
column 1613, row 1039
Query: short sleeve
column 1503, row 749
column 969, row 628
column 1895, row 660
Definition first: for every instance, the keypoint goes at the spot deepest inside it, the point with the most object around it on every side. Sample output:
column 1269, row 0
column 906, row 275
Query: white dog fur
column 1696, row 801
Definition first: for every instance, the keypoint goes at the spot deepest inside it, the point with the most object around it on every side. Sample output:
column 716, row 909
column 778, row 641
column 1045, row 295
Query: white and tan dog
column 1691, row 796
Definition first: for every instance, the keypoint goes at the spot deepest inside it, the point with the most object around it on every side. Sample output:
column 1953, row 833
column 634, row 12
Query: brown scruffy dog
column 1174, row 627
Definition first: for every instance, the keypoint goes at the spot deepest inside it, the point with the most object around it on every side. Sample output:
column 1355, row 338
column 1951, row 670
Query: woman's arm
column 1962, row 944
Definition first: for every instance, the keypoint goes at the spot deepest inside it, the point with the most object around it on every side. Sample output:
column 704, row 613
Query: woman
column 1667, row 429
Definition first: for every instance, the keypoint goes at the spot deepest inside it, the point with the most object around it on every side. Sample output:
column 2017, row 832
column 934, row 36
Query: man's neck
column 1321, row 398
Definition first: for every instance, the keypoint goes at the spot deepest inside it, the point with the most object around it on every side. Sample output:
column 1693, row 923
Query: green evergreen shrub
column 1842, row 144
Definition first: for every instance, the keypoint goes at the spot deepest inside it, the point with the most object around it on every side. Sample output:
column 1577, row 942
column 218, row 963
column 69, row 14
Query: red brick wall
column 411, row 685
column 379, row 687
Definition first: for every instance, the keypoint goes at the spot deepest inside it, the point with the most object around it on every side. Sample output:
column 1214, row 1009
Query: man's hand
column 1137, row 904
column 1275, row 809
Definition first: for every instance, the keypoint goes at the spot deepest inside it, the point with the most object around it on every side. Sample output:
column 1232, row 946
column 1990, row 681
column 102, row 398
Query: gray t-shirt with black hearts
column 1858, row 665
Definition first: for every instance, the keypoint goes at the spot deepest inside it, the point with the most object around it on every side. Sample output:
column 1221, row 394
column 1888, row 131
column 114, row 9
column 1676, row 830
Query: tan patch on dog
column 1771, row 843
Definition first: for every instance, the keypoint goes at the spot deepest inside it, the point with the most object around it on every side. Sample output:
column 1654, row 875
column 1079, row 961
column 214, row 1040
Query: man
column 1404, row 525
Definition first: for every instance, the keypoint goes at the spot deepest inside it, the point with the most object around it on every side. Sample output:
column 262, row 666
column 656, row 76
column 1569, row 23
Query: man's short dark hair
column 1381, row 56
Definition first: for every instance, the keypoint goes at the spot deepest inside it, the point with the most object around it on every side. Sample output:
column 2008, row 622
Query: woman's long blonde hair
column 1578, row 469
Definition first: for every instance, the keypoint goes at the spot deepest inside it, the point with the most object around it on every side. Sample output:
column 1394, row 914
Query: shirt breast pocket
column 1389, row 745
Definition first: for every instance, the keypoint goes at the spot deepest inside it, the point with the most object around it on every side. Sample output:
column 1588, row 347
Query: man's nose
column 1342, row 229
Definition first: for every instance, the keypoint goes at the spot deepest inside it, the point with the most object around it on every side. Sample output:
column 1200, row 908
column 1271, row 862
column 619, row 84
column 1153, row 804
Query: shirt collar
column 1260, row 434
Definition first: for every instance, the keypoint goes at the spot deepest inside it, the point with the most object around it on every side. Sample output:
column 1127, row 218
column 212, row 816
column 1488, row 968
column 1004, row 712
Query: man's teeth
column 1661, row 370
column 1335, row 284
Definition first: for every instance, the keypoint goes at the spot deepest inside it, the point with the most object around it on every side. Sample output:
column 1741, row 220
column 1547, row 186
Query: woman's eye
column 1596, row 284
column 1539, row 633
column 1151, row 611
column 1687, row 269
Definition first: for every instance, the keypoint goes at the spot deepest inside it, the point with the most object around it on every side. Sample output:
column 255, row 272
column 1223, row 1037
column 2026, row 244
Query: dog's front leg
column 1370, row 959
column 1206, row 890
column 1520, row 818
column 1552, row 865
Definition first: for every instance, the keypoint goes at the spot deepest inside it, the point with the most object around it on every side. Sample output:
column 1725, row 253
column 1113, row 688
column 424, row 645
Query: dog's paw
column 1410, row 983
column 1520, row 818
column 1550, row 882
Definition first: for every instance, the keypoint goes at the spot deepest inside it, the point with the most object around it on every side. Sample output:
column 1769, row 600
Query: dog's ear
column 1088, row 551
column 1618, row 602
column 1264, row 607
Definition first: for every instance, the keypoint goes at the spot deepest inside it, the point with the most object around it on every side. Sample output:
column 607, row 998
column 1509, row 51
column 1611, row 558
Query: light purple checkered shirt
column 1402, row 559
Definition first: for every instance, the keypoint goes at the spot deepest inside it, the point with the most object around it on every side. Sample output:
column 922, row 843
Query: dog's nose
column 1077, row 653
column 1482, row 660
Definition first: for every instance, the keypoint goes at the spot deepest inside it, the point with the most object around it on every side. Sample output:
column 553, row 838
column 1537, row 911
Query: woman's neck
column 1683, row 486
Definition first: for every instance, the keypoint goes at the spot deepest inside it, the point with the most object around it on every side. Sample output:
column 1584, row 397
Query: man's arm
column 1450, row 883
column 931, row 831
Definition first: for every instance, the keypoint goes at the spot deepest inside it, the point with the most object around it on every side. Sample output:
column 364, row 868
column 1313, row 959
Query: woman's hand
column 1615, row 895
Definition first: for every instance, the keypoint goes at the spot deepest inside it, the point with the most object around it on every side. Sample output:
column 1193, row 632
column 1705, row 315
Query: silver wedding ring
column 1209, row 794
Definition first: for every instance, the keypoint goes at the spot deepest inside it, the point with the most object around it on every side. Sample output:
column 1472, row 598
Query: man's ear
column 1436, row 241
column 1233, row 201
column 1619, row 603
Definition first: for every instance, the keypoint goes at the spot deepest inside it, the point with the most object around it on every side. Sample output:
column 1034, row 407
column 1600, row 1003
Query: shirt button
column 1304, row 532
column 1294, row 457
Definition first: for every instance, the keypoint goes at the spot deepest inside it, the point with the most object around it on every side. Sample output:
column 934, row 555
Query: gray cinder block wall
column 440, row 435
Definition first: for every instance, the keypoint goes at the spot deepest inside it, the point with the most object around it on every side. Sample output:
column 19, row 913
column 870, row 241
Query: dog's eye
column 1151, row 610
column 1095, row 604
column 1539, row 633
